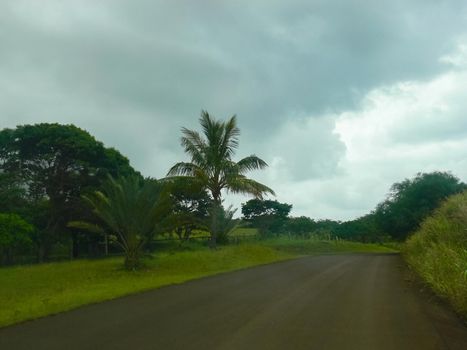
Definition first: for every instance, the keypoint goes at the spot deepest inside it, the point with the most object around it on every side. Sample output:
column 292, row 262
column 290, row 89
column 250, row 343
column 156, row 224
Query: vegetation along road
column 353, row 301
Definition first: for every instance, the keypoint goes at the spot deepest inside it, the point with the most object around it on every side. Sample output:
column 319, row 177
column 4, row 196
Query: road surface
column 324, row 302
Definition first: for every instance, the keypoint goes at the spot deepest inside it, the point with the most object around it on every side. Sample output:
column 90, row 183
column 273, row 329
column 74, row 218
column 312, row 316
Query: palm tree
column 131, row 210
column 212, row 165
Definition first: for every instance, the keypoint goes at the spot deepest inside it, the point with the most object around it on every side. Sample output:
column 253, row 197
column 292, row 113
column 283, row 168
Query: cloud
column 304, row 147
column 345, row 163
column 341, row 98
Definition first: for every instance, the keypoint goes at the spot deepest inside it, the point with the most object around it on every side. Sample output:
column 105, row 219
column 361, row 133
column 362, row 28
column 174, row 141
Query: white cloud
column 399, row 130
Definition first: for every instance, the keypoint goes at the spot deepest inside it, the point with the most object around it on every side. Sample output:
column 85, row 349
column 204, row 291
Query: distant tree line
column 408, row 203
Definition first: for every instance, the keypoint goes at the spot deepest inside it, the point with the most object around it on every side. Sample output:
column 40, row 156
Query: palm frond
column 241, row 184
column 229, row 141
column 251, row 163
column 183, row 169
column 194, row 145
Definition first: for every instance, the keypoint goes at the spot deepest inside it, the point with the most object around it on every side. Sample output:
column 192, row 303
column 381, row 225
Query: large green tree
column 190, row 208
column 300, row 226
column 54, row 165
column 268, row 216
column 412, row 200
column 212, row 163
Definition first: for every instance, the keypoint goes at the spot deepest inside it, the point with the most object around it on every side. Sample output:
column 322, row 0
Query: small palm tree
column 130, row 209
column 212, row 165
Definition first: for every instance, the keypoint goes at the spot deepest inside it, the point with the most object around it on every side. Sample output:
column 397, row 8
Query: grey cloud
column 134, row 72
column 168, row 56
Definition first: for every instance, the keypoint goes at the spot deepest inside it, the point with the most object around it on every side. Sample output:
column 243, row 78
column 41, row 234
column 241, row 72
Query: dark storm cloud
column 260, row 59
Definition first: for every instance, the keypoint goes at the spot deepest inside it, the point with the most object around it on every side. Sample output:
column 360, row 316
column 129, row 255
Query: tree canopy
column 269, row 216
column 211, row 159
column 50, row 166
column 212, row 164
column 130, row 209
column 412, row 200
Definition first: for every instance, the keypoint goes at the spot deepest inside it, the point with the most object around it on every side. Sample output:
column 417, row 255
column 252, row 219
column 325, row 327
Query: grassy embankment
column 29, row 292
column 438, row 252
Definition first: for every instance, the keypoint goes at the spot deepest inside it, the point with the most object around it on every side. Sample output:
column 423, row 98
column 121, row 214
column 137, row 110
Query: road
column 324, row 302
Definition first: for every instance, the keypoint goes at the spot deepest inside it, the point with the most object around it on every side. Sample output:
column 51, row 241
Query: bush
column 438, row 251
column 15, row 236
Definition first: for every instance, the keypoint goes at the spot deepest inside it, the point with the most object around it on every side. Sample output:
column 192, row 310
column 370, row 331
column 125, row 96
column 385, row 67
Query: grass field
column 313, row 247
column 29, row 292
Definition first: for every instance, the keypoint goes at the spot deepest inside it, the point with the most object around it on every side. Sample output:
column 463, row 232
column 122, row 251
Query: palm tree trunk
column 132, row 259
column 214, row 224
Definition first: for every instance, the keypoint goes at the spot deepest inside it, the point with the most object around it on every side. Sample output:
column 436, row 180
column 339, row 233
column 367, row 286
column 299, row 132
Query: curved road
column 325, row 302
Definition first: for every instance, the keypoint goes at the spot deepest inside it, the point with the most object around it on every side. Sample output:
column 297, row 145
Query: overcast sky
column 340, row 98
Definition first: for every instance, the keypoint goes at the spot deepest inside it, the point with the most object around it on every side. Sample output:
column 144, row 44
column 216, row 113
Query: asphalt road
column 326, row 302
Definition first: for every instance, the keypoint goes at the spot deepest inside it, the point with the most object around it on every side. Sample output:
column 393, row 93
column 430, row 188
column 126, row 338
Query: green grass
column 438, row 252
column 313, row 247
column 29, row 292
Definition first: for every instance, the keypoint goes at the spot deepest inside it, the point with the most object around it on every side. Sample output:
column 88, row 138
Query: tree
column 212, row 165
column 269, row 216
column 12, row 196
column 57, row 164
column 225, row 222
column 326, row 228
column 301, row 226
column 190, row 208
column 412, row 200
column 362, row 229
column 15, row 235
column 129, row 209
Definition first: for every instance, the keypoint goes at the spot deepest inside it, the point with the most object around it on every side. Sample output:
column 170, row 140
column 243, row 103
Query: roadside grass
column 313, row 247
column 28, row 292
column 438, row 252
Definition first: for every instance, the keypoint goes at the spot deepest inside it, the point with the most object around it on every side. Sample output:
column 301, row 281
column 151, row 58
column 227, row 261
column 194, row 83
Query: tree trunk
column 74, row 245
column 214, row 225
column 106, row 244
column 132, row 256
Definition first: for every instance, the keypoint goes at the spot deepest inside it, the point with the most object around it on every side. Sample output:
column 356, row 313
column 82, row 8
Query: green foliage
column 15, row 236
column 190, row 208
column 12, row 196
column 130, row 209
column 49, row 166
column 268, row 216
column 363, row 229
column 438, row 251
column 326, row 229
column 301, row 226
column 411, row 201
column 224, row 221
column 212, row 165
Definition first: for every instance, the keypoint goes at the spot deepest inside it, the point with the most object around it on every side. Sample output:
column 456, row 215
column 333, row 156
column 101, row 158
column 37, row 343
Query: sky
column 341, row 98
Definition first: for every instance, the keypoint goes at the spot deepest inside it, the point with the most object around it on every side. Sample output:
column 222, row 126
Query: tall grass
column 438, row 252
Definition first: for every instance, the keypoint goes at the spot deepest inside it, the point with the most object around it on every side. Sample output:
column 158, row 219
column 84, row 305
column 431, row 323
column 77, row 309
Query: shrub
column 15, row 234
